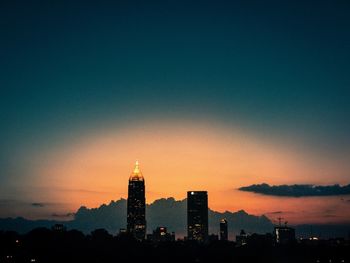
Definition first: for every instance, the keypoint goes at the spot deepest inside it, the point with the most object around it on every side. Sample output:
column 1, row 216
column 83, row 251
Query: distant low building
column 241, row 239
column 122, row 232
column 260, row 240
column 58, row 228
column 160, row 234
column 213, row 237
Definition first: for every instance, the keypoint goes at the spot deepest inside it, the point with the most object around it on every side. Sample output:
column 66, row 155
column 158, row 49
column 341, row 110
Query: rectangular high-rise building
column 197, row 215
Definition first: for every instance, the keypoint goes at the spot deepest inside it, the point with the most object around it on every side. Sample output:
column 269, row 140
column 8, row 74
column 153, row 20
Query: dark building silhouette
column 260, row 240
column 223, row 230
column 136, row 205
column 160, row 234
column 122, row 231
column 242, row 238
column 197, row 215
column 213, row 238
column 58, row 228
column 284, row 235
column 46, row 245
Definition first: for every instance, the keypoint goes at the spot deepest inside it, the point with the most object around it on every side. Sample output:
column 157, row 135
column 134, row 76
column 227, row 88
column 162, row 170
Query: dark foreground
column 44, row 245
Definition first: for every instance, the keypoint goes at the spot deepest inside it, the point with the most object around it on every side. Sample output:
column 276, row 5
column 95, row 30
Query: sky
column 207, row 95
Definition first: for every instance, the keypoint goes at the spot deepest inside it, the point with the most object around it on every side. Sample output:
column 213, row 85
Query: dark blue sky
column 275, row 67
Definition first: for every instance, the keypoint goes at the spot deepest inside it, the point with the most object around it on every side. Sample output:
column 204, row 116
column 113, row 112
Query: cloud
column 14, row 202
column 23, row 203
column 331, row 215
column 275, row 212
column 297, row 190
column 38, row 204
column 69, row 214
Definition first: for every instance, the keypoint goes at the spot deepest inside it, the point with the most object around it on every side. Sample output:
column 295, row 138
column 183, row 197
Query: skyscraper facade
column 223, row 230
column 197, row 215
column 136, row 205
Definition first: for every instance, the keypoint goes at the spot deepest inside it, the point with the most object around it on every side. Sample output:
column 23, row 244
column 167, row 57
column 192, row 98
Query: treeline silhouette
column 50, row 245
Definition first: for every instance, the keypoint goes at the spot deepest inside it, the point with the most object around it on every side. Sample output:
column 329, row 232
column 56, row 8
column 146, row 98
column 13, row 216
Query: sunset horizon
column 245, row 103
column 273, row 211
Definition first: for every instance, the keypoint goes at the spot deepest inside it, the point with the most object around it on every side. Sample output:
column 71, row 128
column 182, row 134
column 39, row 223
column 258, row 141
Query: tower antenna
column 279, row 220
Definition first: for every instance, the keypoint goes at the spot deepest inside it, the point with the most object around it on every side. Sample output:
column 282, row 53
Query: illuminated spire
column 137, row 169
column 136, row 174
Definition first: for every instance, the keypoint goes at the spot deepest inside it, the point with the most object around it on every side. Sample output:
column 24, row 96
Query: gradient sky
column 207, row 95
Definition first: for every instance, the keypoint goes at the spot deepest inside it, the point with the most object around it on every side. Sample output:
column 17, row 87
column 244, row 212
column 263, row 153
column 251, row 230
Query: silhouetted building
column 223, row 230
column 260, row 240
column 136, row 207
column 44, row 245
column 242, row 238
column 284, row 235
column 58, row 228
column 213, row 238
column 160, row 234
column 173, row 237
column 122, row 231
column 197, row 215
column 101, row 235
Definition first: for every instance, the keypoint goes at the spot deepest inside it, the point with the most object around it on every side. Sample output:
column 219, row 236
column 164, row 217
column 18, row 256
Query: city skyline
column 248, row 101
column 199, row 228
column 277, row 209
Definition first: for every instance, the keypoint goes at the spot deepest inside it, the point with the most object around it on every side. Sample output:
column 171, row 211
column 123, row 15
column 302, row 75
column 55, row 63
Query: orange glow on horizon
column 174, row 159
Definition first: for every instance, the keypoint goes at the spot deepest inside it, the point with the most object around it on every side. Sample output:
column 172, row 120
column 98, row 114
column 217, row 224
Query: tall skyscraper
column 223, row 230
column 136, row 207
column 197, row 215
